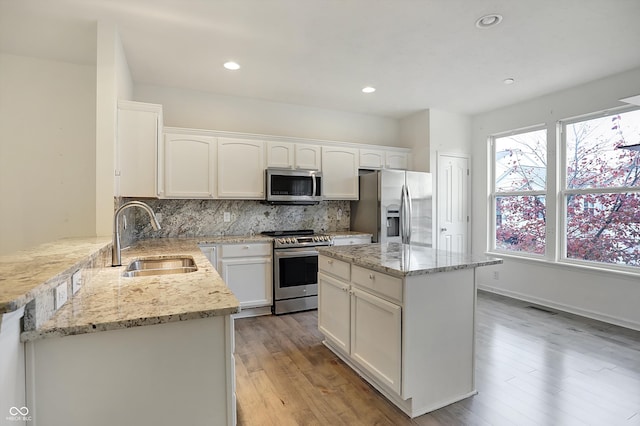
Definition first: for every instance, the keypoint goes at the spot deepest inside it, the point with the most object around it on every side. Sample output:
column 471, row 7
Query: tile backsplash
column 192, row 218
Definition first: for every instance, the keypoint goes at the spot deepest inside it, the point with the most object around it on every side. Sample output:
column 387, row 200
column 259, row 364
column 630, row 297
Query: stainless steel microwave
column 286, row 186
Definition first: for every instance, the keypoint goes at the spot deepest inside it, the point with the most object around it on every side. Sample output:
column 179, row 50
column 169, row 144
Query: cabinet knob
column 330, row 262
column 372, row 277
column 443, row 229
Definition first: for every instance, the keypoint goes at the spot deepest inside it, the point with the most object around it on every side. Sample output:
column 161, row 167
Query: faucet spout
column 116, row 259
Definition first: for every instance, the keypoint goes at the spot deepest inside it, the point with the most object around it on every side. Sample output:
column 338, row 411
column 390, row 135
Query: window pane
column 593, row 157
column 520, row 224
column 604, row 228
column 521, row 162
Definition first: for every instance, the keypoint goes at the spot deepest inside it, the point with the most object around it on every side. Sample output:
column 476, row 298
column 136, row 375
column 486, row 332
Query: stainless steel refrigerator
column 395, row 206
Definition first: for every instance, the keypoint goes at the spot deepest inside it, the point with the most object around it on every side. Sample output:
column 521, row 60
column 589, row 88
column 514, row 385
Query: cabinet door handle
column 372, row 277
column 330, row 262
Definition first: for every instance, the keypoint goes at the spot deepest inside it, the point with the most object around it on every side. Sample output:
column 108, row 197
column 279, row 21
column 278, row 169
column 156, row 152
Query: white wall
column 47, row 151
column 414, row 134
column 607, row 296
column 202, row 110
column 449, row 133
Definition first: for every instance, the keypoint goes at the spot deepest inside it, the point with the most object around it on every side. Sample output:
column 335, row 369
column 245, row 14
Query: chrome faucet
column 115, row 249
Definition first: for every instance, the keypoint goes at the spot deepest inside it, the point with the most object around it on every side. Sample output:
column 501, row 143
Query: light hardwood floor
column 532, row 368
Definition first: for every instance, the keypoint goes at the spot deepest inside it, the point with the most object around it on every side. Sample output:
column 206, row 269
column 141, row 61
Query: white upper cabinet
column 372, row 159
column 383, row 159
column 397, row 160
column 139, row 130
column 308, row 157
column 340, row 172
column 241, row 165
column 280, row 154
column 293, row 155
column 190, row 166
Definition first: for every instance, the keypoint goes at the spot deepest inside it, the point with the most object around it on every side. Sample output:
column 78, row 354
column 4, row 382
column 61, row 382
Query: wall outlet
column 339, row 214
column 227, row 217
column 76, row 282
column 496, row 275
column 60, row 296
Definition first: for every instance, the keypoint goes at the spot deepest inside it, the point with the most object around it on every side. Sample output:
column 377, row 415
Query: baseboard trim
column 562, row 307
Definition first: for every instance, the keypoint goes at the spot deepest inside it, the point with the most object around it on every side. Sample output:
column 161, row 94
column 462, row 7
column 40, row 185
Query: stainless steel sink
column 160, row 266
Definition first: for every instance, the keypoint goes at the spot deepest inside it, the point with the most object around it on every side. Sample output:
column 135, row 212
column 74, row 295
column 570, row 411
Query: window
column 519, row 191
column 601, row 189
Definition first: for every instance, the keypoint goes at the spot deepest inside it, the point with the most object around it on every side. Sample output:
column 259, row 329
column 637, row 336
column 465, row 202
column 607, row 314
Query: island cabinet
column 411, row 337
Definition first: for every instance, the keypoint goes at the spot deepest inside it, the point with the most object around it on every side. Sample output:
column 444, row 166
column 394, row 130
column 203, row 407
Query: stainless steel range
column 295, row 269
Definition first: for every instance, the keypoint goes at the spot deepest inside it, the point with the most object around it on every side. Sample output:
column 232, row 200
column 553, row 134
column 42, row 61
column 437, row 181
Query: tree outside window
column 602, row 189
column 519, row 191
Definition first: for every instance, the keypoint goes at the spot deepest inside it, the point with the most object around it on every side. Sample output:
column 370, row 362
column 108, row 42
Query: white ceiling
column 419, row 54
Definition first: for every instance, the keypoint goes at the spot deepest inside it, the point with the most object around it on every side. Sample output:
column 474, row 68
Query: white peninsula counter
column 403, row 317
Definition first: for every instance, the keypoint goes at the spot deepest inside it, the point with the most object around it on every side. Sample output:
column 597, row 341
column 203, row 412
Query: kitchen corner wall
column 193, row 218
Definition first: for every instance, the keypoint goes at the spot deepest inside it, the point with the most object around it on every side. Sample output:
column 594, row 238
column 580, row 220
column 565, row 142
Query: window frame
column 563, row 191
column 493, row 194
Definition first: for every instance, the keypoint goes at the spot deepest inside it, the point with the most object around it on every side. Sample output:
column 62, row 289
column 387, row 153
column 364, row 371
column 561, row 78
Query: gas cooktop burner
column 299, row 238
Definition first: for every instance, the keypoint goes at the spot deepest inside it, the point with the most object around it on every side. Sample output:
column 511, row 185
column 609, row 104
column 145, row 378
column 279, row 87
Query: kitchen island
column 403, row 317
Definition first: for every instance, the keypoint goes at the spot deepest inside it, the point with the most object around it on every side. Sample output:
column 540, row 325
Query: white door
column 452, row 228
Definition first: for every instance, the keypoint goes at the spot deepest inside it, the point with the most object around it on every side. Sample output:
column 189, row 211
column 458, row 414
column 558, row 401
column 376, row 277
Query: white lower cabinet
column 334, row 317
column 156, row 375
column 246, row 269
column 12, row 368
column 362, row 325
column 376, row 336
column 411, row 338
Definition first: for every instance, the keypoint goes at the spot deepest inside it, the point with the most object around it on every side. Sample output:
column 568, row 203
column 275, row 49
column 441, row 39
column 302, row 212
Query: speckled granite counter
column 110, row 301
column 28, row 273
column 107, row 300
column 403, row 260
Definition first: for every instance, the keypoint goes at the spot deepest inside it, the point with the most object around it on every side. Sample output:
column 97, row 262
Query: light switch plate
column 76, row 282
column 60, row 295
column 227, row 217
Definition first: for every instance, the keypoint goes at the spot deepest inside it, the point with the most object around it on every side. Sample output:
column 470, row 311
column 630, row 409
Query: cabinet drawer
column 334, row 267
column 380, row 283
column 244, row 250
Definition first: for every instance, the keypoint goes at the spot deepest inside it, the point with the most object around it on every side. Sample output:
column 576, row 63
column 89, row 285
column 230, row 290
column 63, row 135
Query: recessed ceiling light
column 232, row 65
column 368, row 89
column 488, row 21
column 508, row 81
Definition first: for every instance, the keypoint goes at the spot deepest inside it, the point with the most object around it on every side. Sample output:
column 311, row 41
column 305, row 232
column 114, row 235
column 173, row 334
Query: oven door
column 295, row 273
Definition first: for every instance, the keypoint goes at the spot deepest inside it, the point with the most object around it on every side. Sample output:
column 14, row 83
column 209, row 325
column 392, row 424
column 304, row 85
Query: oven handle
column 295, row 253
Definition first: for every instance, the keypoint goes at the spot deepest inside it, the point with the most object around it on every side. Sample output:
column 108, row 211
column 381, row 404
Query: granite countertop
column 27, row 273
column 110, row 301
column 403, row 260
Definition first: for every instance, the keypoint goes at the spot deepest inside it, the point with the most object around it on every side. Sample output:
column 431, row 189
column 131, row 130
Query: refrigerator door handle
column 409, row 215
column 403, row 207
column 405, row 216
